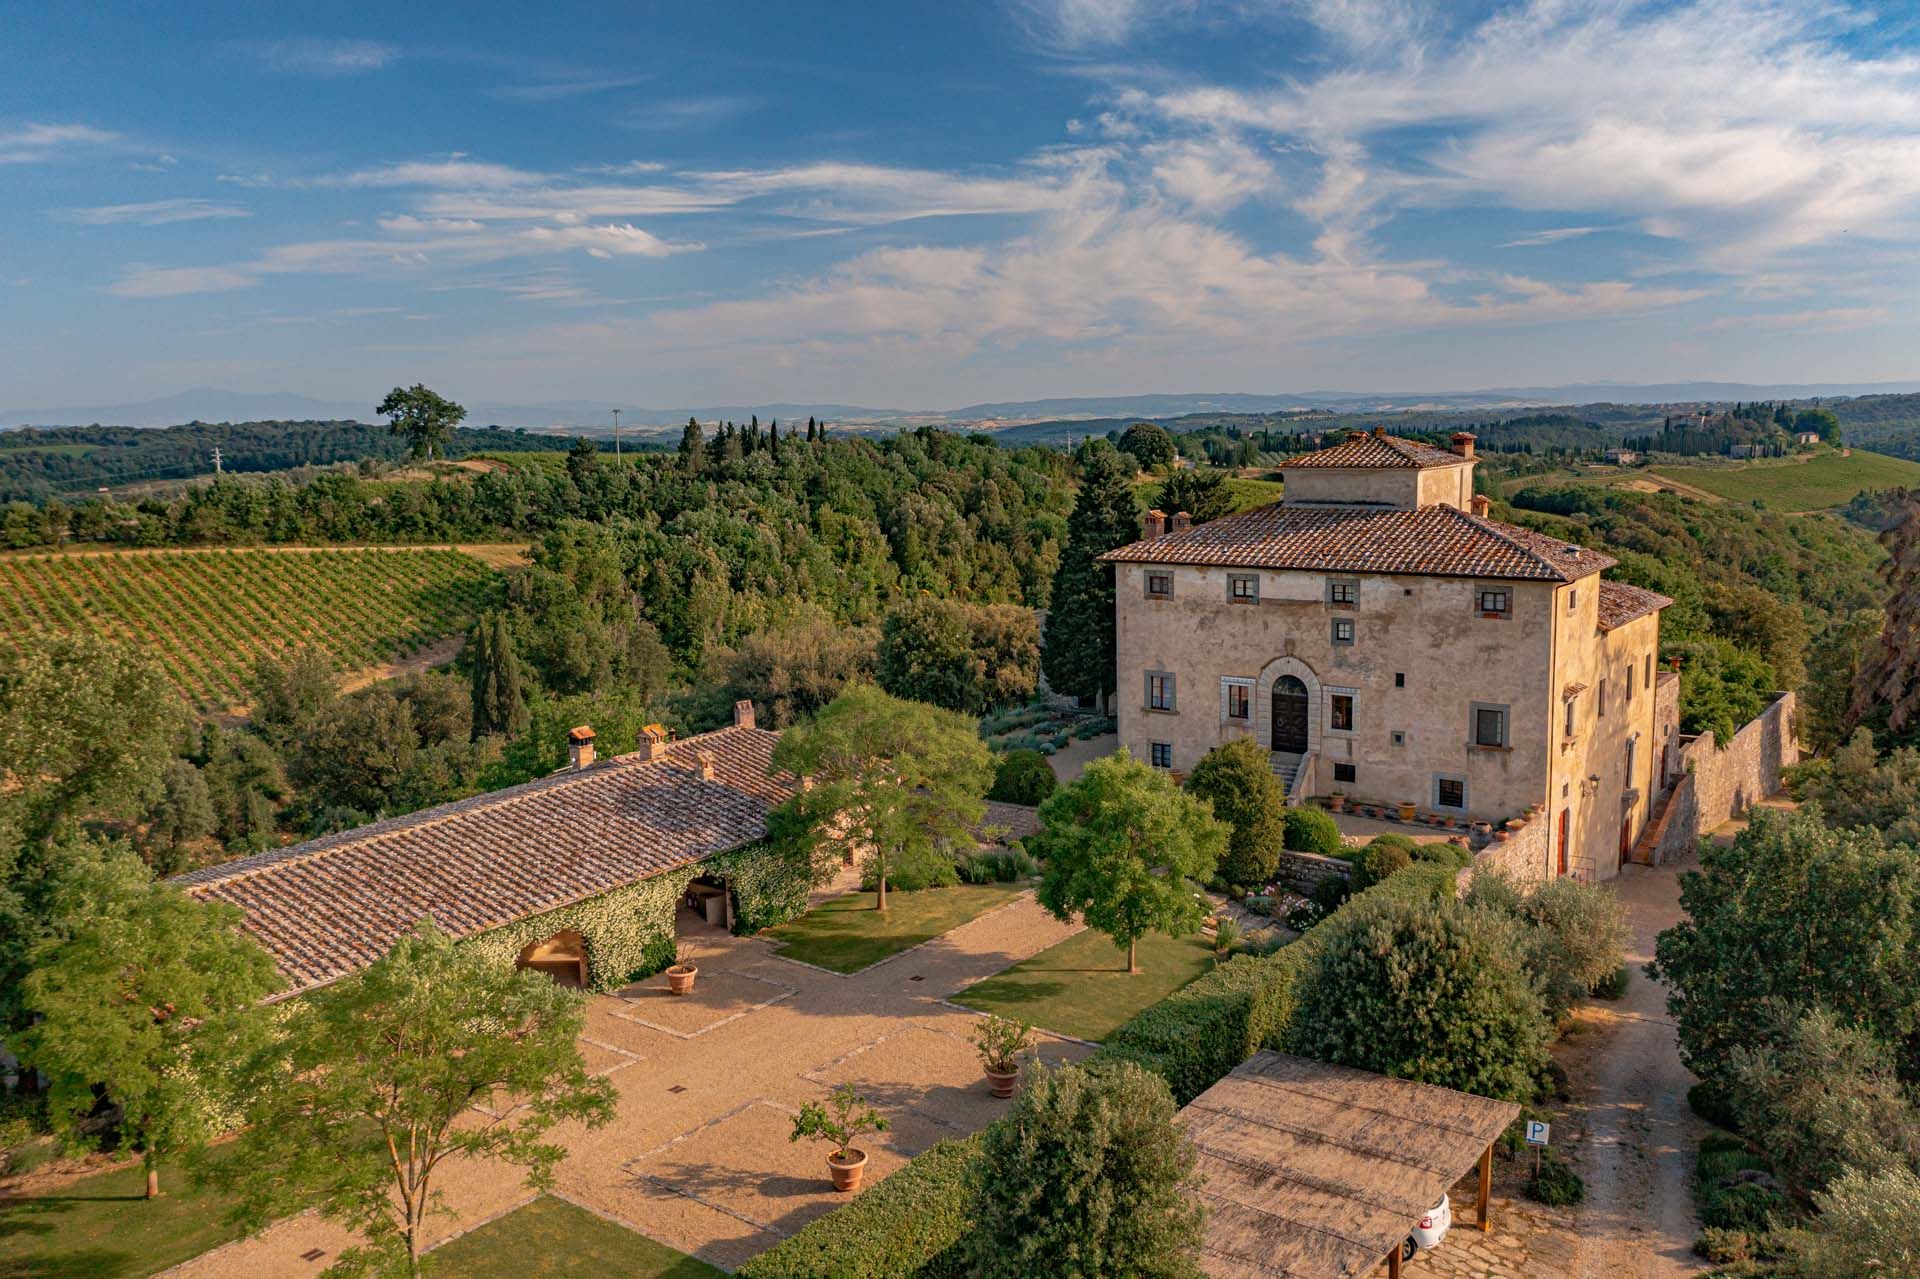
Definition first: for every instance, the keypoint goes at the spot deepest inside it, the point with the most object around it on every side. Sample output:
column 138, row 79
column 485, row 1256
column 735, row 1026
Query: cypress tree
column 1078, row 653
column 693, row 451
column 499, row 705
column 773, row 438
column 810, row 430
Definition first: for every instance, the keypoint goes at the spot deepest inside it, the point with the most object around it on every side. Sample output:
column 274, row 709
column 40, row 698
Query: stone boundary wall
column 1303, row 872
column 1713, row 785
column 1522, row 856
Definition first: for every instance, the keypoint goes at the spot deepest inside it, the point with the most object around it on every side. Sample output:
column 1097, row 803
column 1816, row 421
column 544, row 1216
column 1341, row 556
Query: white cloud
column 1837, row 319
column 328, row 57
column 178, row 281
column 556, row 90
column 156, row 212
column 37, row 143
column 1553, row 235
column 455, row 172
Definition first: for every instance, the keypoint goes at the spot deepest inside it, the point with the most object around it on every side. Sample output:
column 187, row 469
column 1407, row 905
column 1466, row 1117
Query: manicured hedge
column 909, row 1226
column 1196, row 1035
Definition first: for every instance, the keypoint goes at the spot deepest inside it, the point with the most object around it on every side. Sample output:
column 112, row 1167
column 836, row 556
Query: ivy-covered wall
column 630, row 931
column 769, row 885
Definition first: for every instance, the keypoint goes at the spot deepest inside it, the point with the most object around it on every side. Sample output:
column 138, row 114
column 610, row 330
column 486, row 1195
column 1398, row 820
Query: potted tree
column 840, row 1122
column 681, row 974
column 1001, row 1041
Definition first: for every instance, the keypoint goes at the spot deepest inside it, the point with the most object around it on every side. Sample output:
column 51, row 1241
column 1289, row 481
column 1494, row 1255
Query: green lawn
column 100, row 1228
column 550, row 1239
column 1247, row 493
column 1080, row 987
column 847, row 934
column 1799, row 484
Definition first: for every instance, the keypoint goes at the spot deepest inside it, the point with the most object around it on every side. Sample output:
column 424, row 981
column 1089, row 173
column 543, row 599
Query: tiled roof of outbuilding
column 1621, row 603
column 1438, row 541
column 1372, row 451
column 331, row 906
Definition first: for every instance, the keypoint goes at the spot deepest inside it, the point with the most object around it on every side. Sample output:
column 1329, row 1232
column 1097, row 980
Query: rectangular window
column 1600, row 700
column 1629, row 681
column 1568, row 730
column 1343, row 592
column 1343, row 630
column 1450, row 792
column 1162, row 754
column 1243, row 588
column 1159, row 586
column 1399, row 738
column 1236, row 699
column 1340, row 712
column 1496, row 602
column 1159, row 691
column 1344, row 773
column 1649, row 670
column 1632, row 744
column 1573, row 598
column 1490, row 726
column 1399, row 679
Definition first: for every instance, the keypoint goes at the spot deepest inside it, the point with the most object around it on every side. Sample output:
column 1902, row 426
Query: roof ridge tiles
column 1499, row 530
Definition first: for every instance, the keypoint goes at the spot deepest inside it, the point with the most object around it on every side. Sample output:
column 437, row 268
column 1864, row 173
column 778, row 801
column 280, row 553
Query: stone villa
column 1385, row 640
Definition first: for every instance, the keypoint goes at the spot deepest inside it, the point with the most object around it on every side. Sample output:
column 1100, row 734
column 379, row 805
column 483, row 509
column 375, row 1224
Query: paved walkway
column 698, row 1155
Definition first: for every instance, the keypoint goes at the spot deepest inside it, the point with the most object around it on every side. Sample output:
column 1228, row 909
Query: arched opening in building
column 562, row 957
column 1290, row 715
column 706, row 907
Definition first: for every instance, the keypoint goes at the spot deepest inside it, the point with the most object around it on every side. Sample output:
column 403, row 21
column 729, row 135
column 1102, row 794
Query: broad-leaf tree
column 142, row 995
column 424, row 417
column 892, row 778
column 1148, row 444
column 378, row 1080
column 1123, row 849
column 1088, row 1175
column 1078, row 652
column 1237, row 779
column 1202, row 494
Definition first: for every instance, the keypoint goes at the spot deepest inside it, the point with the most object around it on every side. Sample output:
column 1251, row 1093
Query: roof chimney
column 580, row 746
column 743, row 713
column 1482, row 505
column 1355, row 436
column 1463, row 443
column 653, row 739
column 706, row 765
column 1156, row 522
column 1181, row 522
column 1380, row 432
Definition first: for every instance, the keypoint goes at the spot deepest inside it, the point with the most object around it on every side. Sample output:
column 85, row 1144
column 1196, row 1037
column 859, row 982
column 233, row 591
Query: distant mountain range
column 207, row 404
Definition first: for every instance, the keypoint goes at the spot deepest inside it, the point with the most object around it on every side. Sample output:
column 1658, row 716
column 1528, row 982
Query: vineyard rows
column 206, row 616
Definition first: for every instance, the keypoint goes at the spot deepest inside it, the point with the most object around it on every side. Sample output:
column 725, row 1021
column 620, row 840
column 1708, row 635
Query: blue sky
column 925, row 205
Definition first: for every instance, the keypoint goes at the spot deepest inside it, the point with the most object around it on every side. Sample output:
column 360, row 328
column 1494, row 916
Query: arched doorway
column 1289, row 715
column 562, row 957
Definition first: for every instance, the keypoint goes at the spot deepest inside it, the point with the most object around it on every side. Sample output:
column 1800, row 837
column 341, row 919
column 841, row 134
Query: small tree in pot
column 1001, row 1041
column 840, row 1121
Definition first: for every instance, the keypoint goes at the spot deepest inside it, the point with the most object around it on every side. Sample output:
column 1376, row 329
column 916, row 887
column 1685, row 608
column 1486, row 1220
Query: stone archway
column 1288, row 678
column 562, row 957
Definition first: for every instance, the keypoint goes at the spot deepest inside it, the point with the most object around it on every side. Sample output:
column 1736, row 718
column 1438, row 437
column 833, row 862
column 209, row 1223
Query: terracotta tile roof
column 1362, row 450
column 331, row 906
column 1439, row 541
column 1621, row 603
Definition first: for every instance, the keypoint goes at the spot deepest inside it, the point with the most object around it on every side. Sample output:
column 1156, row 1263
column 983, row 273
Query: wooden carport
column 1321, row 1172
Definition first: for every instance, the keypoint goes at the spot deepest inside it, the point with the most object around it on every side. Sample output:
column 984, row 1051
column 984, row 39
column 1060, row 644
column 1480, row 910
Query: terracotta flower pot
column 1406, row 812
column 1337, row 802
column 680, row 978
column 847, row 1171
column 1002, row 1082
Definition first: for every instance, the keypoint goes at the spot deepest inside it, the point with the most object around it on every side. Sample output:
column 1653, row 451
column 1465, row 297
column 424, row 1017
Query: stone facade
column 1369, row 663
column 1303, row 872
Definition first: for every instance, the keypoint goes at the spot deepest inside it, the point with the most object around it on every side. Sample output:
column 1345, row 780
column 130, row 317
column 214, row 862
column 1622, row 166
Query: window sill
column 1344, row 608
column 1494, row 617
column 1159, row 710
column 1484, row 749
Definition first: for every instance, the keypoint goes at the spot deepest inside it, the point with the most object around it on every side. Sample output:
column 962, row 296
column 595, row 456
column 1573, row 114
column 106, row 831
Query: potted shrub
column 681, row 974
column 1406, row 811
column 1337, row 801
column 839, row 1122
column 1001, row 1041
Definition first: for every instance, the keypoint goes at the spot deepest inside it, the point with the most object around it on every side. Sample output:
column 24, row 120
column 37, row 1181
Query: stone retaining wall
column 1524, row 856
column 1712, row 785
column 1303, row 872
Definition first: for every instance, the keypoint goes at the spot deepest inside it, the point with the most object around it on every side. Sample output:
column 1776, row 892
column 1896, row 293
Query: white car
column 1430, row 1230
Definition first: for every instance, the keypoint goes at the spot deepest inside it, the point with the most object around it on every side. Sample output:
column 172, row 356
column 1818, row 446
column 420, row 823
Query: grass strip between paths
column 846, row 934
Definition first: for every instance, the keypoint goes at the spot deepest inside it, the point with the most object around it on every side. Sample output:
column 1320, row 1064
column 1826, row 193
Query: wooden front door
column 1289, row 716
column 1566, row 827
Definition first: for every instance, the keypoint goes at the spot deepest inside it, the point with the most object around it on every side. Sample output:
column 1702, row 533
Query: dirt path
column 1639, row 1136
